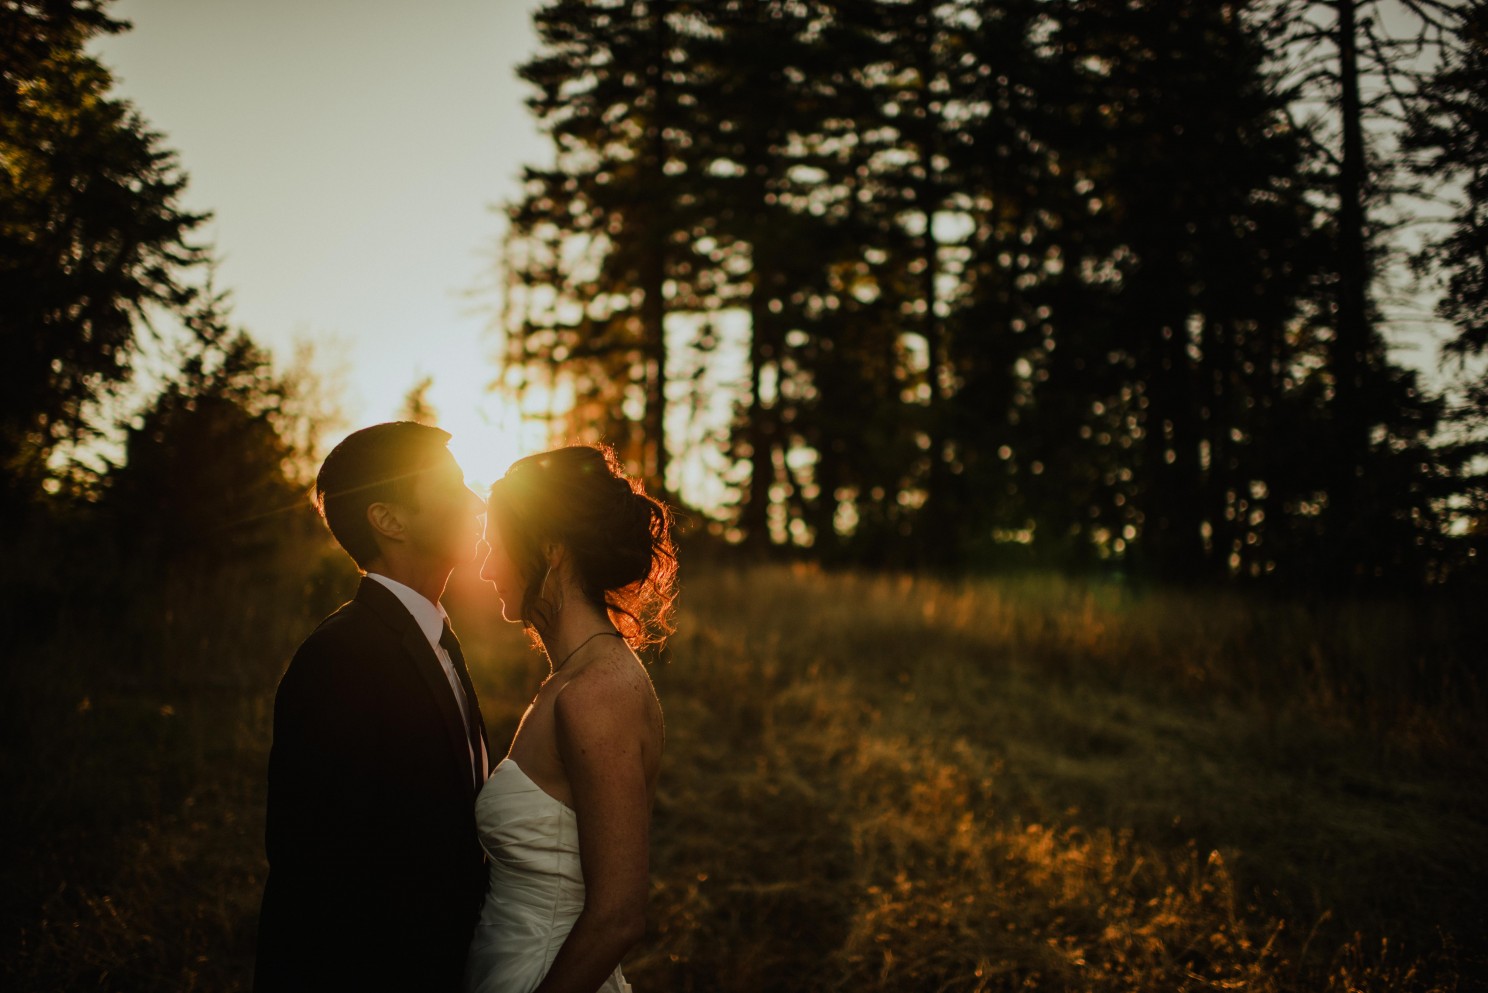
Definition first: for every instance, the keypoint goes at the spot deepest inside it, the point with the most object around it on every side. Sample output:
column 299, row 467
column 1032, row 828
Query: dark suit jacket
column 375, row 873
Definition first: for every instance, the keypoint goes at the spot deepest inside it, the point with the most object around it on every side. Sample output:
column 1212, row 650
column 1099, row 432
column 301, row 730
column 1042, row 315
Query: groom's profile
column 375, row 873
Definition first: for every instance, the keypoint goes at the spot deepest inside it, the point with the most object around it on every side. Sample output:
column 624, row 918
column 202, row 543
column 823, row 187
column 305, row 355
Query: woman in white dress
column 582, row 557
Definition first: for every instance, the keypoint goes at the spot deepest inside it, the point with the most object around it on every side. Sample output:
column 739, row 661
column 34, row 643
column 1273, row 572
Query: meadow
column 872, row 782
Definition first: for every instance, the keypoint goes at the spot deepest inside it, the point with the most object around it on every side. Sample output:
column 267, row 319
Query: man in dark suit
column 375, row 872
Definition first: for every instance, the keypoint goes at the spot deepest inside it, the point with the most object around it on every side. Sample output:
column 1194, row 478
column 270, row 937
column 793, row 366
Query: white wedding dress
column 536, row 886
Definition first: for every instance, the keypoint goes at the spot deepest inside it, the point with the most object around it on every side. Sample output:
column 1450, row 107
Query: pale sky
column 351, row 152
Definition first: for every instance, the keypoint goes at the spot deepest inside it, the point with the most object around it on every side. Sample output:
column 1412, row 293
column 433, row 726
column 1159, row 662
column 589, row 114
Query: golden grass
column 899, row 784
column 871, row 783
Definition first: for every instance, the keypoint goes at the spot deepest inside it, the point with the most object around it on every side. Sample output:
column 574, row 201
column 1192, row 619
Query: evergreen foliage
column 1061, row 282
column 92, row 234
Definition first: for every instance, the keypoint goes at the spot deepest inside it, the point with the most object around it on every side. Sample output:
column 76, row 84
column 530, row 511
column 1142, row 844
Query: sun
column 488, row 431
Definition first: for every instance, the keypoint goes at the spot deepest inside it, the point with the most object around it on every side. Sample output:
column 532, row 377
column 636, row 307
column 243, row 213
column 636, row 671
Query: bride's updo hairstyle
column 619, row 539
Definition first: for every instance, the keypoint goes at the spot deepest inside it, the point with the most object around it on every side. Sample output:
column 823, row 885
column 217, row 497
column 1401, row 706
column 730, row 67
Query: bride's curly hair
column 618, row 537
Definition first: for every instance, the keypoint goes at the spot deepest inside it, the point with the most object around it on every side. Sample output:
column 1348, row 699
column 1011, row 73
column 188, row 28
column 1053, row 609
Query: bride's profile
column 582, row 557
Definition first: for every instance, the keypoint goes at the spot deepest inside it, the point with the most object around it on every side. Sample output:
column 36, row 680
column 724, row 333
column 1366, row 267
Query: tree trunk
column 653, row 276
column 1352, row 332
column 1172, row 507
column 755, row 516
column 937, row 519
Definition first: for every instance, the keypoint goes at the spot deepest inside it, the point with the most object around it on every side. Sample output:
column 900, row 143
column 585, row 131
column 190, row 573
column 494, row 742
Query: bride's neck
column 576, row 622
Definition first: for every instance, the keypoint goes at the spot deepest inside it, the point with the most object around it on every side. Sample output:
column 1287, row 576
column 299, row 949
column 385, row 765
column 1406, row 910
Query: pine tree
column 1448, row 139
column 1201, row 234
column 751, row 55
column 592, row 239
column 92, row 235
column 1343, row 56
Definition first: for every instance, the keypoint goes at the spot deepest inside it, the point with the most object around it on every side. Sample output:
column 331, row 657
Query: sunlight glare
column 488, row 430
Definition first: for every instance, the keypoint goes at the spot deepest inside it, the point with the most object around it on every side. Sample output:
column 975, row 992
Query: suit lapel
column 382, row 601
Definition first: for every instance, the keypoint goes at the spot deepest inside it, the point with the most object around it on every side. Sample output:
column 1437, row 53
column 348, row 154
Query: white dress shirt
column 431, row 619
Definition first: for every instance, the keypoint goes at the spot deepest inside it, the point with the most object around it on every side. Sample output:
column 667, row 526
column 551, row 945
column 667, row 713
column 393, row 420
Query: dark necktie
column 473, row 725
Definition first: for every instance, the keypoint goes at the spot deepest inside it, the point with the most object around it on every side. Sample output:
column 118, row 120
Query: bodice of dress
column 533, row 843
column 536, row 884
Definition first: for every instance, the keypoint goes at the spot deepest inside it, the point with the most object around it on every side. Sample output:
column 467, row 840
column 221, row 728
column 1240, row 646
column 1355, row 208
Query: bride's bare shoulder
column 614, row 673
column 612, row 689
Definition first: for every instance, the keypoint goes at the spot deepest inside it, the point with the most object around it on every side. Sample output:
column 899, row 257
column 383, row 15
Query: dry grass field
column 871, row 783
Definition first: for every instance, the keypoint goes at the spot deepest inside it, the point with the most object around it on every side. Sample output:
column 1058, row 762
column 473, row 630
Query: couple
column 398, row 858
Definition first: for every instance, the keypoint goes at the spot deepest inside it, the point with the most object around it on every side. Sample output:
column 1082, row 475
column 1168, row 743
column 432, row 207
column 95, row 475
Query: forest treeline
column 1057, row 282
column 1065, row 283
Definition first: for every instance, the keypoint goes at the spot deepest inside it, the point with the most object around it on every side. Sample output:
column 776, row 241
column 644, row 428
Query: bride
column 583, row 558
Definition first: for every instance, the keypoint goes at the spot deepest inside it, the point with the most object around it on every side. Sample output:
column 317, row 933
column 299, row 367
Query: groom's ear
column 385, row 521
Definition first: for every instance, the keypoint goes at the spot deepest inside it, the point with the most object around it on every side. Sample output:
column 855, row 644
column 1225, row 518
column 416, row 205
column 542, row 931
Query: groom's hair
column 374, row 465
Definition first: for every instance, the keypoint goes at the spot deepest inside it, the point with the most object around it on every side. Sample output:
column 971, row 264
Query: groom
column 375, row 873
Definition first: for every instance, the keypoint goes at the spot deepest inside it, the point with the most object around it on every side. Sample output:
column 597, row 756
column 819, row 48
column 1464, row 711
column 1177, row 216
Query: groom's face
column 445, row 525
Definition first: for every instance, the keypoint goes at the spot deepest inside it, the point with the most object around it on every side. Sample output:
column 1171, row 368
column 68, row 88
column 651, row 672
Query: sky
column 350, row 153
